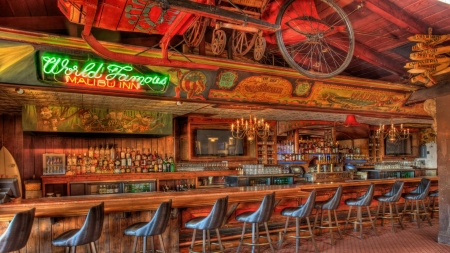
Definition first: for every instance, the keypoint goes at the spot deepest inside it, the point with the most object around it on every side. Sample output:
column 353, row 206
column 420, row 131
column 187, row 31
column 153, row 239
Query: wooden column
column 443, row 162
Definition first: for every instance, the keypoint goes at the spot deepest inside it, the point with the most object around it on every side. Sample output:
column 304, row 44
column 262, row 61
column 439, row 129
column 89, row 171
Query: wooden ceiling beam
column 396, row 15
column 37, row 23
column 438, row 90
column 373, row 57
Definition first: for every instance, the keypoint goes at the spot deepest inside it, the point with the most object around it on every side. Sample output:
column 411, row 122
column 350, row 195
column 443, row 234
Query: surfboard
column 8, row 167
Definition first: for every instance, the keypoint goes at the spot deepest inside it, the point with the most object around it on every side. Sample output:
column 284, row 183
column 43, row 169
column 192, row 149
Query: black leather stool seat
column 330, row 204
column 434, row 193
column 302, row 211
column 359, row 202
column 16, row 235
column 88, row 234
column 262, row 215
column 432, row 198
column 156, row 226
column 214, row 220
column 391, row 197
column 418, row 195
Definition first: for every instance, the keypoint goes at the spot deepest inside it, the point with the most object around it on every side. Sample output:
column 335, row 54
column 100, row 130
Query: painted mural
column 295, row 91
column 80, row 120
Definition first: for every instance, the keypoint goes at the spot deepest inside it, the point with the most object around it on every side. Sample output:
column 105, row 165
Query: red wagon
column 314, row 37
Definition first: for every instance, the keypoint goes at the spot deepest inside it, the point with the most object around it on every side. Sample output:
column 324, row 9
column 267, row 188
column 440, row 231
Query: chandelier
column 392, row 133
column 250, row 128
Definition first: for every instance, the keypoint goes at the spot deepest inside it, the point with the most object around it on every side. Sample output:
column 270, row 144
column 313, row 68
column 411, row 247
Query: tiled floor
column 410, row 240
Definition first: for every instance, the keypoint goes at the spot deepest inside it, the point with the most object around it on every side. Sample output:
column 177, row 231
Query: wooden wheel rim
column 196, row 31
column 241, row 44
column 260, row 47
column 219, row 41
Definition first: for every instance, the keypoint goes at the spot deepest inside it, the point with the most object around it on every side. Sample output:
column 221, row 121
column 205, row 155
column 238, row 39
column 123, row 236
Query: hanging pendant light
column 350, row 121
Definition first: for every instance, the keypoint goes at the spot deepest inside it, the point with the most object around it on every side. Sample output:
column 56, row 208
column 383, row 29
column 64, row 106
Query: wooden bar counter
column 58, row 214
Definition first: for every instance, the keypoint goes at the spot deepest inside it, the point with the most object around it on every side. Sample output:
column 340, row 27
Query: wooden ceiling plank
column 37, row 7
column 19, row 8
column 6, row 10
column 52, row 8
column 396, row 15
column 41, row 23
column 378, row 59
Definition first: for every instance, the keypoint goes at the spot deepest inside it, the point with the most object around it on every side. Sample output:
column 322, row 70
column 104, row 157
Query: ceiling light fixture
column 250, row 128
column 179, row 103
column 392, row 133
column 350, row 120
column 19, row 90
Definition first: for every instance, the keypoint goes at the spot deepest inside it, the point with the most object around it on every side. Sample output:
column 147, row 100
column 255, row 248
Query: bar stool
column 88, row 234
column 330, row 205
column 261, row 215
column 16, row 235
column 303, row 211
column 213, row 221
column 391, row 197
column 417, row 195
column 432, row 197
column 156, row 226
column 359, row 202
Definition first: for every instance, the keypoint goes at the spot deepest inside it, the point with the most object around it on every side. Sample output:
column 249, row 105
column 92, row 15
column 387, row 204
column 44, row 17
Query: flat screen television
column 217, row 142
column 398, row 148
column 9, row 188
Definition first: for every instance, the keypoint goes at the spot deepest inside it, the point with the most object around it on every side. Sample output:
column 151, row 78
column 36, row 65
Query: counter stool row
column 90, row 232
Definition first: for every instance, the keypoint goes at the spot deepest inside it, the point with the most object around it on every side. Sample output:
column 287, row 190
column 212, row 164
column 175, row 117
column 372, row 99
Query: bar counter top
column 127, row 202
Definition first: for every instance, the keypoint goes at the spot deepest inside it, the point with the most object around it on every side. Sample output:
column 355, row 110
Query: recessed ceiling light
column 445, row 1
column 19, row 90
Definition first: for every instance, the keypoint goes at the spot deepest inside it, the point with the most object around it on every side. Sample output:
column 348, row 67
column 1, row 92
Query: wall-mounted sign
column 94, row 120
column 100, row 74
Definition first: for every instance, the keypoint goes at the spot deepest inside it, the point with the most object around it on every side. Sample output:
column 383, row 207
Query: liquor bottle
column 127, row 153
column 138, row 156
column 74, row 160
column 91, row 152
column 96, row 152
column 107, row 150
column 101, row 151
column 172, row 163
column 144, row 154
column 122, row 153
column 129, row 161
column 69, row 160
column 112, row 152
column 133, row 154
column 164, row 165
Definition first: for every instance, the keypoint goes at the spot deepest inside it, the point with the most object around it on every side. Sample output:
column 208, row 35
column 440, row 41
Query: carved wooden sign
column 429, row 58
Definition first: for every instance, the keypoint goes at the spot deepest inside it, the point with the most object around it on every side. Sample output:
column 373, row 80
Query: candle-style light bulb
column 232, row 127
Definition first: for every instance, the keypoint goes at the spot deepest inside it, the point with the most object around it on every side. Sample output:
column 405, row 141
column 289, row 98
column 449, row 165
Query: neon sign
column 97, row 73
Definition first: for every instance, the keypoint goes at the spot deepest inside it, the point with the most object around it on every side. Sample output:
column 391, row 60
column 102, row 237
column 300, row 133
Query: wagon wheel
column 242, row 42
column 218, row 42
column 316, row 37
column 195, row 32
column 259, row 48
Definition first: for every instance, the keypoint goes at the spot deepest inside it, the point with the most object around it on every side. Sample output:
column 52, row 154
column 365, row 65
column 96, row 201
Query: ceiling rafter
column 396, row 15
column 37, row 23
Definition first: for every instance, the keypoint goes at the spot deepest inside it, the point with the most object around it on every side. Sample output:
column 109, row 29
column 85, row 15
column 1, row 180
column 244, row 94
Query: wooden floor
column 410, row 240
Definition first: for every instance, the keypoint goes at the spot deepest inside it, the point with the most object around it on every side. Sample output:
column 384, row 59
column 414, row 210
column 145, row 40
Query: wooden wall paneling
column 172, row 235
column 28, row 158
column 84, row 146
column 1, row 129
column 33, row 240
column 154, row 145
column 104, row 240
column 57, row 229
column 147, row 144
column 170, row 148
column 161, row 146
column 45, row 235
column 139, row 144
column 8, row 133
column 18, row 149
column 49, row 144
column 39, row 149
column 126, row 241
column 115, row 233
column 77, row 146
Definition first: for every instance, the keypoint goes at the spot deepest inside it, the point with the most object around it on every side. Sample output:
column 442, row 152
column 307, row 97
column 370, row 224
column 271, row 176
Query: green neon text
column 54, row 65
